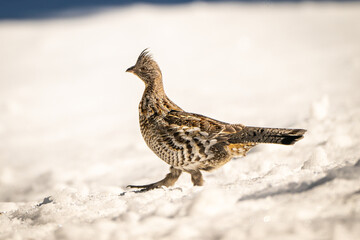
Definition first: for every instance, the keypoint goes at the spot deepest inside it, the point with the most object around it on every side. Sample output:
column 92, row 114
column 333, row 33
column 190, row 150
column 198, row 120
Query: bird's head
column 146, row 68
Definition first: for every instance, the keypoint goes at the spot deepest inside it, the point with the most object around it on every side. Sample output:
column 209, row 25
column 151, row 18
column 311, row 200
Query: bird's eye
column 143, row 69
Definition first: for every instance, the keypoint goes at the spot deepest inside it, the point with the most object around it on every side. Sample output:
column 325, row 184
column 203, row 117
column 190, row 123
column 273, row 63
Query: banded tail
column 267, row 135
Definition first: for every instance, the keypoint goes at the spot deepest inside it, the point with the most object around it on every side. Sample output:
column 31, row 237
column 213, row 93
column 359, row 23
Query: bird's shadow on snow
column 347, row 172
column 45, row 201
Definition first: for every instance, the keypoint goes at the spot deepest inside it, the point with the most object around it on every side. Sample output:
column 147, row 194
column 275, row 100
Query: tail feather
column 267, row 135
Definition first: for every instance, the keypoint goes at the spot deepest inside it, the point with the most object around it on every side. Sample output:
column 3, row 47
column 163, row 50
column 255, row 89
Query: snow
column 70, row 140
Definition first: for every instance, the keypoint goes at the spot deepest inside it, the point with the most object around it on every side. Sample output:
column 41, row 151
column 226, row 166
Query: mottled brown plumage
column 191, row 142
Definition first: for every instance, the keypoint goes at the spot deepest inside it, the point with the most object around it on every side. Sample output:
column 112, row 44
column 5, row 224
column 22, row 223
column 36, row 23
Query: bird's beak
column 130, row 69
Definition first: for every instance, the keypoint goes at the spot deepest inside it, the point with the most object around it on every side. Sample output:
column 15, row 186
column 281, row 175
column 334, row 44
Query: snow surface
column 70, row 140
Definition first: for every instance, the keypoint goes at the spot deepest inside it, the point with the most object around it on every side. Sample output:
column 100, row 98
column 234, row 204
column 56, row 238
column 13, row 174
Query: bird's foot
column 196, row 178
column 168, row 181
column 147, row 187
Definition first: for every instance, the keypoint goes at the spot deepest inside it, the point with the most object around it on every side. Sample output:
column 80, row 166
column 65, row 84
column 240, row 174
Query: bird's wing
column 192, row 124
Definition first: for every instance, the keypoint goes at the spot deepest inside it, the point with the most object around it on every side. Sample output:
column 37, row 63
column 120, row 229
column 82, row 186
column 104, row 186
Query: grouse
column 192, row 142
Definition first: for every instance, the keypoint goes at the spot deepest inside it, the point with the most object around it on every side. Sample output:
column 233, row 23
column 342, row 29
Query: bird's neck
column 155, row 87
column 154, row 100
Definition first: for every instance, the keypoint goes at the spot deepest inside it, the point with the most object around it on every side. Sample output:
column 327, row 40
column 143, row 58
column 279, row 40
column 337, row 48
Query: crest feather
column 145, row 54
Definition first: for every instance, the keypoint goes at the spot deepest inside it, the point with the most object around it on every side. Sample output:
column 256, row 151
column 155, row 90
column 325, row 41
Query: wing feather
column 196, row 124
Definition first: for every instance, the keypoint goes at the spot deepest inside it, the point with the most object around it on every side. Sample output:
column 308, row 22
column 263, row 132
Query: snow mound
column 317, row 160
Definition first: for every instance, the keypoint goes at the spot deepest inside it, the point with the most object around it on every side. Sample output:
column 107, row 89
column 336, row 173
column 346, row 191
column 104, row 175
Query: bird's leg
column 196, row 177
column 168, row 181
